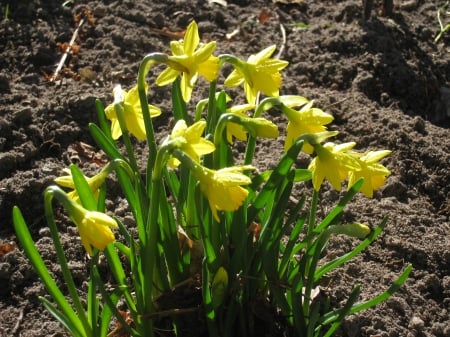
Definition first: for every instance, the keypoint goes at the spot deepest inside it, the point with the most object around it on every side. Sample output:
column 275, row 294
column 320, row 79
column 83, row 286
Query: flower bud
column 260, row 127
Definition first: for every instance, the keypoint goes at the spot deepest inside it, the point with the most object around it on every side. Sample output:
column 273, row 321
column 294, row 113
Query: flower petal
column 262, row 55
column 167, row 76
column 205, row 51
column 191, row 38
column 234, row 79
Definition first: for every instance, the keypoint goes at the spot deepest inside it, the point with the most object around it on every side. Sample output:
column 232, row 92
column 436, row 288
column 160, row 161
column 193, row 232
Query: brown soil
column 384, row 80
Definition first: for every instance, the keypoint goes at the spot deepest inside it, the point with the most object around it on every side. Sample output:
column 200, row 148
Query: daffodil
column 374, row 173
column 191, row 141
column 223, row 188
column 332, row 162
column 94, row 183
column 307, row 120
column 193, row 62
column 132, row 113
column 94, row 227
column 259, row 73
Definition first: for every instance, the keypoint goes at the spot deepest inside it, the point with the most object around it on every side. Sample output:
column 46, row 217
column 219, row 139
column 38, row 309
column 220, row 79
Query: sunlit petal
column 167, row 76
column 204, row 52
column 234, row 79
column 262, row 55
column 191, row 38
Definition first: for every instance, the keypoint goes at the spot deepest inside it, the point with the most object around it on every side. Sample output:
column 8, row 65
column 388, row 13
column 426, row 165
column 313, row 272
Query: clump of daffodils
column 199, row 209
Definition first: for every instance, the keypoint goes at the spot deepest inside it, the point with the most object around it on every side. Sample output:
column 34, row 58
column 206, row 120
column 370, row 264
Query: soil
column 385, row 81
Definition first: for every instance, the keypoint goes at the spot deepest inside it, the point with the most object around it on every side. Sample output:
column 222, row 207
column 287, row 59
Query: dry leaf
column 6, row 248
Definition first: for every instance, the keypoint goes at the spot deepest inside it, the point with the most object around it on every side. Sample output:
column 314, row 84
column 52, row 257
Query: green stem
column 211, row 117
column 144, row 68
column 218, row 137
column 149, row 249
column 309, row 259
column 265, row 104
column 312, row 213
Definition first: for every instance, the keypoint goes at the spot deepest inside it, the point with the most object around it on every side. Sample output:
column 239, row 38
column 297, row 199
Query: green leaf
column 355, row 251
column 219, row 287
column 344, row 311
column 104, row 142
column 337, row 210
column 179, row 106
column 60, row 317
column 93, row 303
column 302, row 175
column 38, row 264
column 85, row 193
column 101, row 199
column 278, row 176
column 119, row 275
column 170, row 243
column 272, row 232
column 104, row 126
column 113, row 153
column 110, row 309
column 333, row 316
column 289, row 250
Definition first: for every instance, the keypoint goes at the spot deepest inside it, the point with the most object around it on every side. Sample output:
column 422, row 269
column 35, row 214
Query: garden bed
column 384, row 80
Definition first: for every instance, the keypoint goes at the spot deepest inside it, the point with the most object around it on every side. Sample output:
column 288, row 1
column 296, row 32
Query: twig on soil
column 337, row 102
column 17, row 325
column 67, row 52
column 167, row 33
column 283, row 43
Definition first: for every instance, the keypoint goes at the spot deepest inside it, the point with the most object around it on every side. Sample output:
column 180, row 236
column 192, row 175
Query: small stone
column 416, row 323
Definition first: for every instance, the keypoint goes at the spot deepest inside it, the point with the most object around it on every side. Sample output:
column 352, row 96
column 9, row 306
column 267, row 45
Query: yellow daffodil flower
column 332, row 162
column 94, row 183
column 374, row 173
column 195, row 62
column 132, row 113
column 307, row 120
column 223, row 188
column 191, row 140
column 94, row 227
column 259, row 73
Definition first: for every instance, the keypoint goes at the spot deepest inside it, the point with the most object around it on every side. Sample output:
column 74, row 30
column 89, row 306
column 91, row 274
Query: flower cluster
column 196, row 203
column 223, row 188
